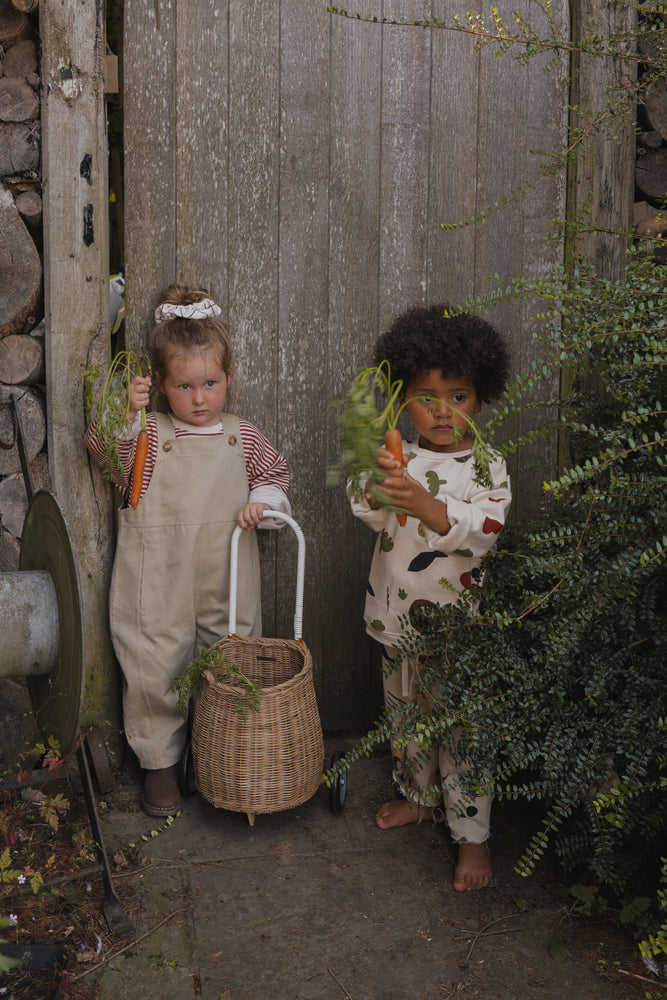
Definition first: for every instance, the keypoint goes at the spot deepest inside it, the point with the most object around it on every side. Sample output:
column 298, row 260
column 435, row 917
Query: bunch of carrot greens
column 365, row 427
column 109, row 409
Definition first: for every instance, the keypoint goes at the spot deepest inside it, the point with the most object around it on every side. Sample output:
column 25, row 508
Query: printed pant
column 429, row 778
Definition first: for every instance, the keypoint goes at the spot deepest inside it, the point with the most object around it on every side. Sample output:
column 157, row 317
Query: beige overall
column 170, row 584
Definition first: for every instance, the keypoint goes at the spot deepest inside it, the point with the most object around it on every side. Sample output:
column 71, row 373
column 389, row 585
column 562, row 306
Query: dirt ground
column 305, row 904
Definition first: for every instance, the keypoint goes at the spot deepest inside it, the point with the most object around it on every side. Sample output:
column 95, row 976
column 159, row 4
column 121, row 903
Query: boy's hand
column 392, row 469
column 250, row 515
column 139, row 396
column 405, row 492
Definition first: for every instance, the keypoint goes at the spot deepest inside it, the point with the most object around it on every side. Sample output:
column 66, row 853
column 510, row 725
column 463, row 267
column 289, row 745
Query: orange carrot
column 139, row 463
column 394, row 445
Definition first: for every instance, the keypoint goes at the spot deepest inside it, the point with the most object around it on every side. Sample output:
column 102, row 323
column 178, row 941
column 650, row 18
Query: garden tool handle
column 300, row 571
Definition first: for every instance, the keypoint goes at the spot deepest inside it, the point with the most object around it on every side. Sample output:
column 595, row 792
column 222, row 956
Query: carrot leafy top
column 109, row 405
column 363, row 422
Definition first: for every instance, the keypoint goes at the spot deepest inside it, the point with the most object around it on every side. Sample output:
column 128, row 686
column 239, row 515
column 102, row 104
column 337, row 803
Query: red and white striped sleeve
column 268, row 476
column 121, row 477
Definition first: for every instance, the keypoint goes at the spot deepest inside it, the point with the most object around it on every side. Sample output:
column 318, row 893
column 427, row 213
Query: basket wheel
column 186, row 768
column 338, row 789
column 186, row 772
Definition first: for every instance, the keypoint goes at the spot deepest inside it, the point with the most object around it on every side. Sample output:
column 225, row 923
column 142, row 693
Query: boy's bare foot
column 473, row 870
column 399, row 812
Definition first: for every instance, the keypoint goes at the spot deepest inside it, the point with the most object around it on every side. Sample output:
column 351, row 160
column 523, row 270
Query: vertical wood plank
column 351, row 681
column 603, row 174
column 201, row 137
column 406, row 60
column 150, row 160
column 513, row 241
column 76, row 285
column 253, row 233
column 303, row 296
column 452, row 158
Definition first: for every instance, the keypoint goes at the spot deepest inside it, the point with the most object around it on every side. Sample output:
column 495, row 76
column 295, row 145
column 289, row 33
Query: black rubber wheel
column 186, row 772
column 338, row 789
column 186, row 769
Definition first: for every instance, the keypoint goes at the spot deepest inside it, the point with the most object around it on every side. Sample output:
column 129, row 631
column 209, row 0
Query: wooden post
column 603, row 175
column 76, row 287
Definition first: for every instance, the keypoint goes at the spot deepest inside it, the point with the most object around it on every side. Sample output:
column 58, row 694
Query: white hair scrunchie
column 195, row 310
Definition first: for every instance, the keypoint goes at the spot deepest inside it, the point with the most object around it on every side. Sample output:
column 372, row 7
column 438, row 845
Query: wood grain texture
column 351, row 677
column 253, row 234
column 602, row 177
column 150, row 139
column 303, row 293
column 21, row 360
column 312, row 162
column 201, row 117
column 32, row 415
column 20, row 268
column 514, row 142
column 404, row 157
column 74, row 159
column 453, row 151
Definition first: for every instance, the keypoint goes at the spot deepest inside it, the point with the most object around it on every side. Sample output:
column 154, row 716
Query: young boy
column 449, row 366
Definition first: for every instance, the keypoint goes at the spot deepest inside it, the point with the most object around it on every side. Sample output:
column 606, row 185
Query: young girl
column 454, row 364
column 206, row 472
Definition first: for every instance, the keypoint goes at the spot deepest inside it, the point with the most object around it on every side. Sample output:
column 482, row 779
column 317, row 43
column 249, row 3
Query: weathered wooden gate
column 301, row 164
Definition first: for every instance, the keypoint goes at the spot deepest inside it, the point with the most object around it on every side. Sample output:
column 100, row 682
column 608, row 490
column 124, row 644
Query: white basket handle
column 300, row 571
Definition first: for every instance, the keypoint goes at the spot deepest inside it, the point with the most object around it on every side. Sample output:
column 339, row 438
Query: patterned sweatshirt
column 413, row 565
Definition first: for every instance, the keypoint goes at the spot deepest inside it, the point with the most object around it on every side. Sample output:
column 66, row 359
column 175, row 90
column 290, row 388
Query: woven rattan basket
column 266, row 760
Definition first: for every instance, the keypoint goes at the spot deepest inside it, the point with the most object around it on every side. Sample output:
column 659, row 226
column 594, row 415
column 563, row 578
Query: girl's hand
column 250, row 515
column 139, row 395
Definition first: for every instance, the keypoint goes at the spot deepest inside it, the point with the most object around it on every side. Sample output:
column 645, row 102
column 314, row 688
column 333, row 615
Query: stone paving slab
column 308, row 905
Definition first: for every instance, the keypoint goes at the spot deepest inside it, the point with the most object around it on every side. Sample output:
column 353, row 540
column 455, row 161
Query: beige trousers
column 429, row 778
column 170, row 583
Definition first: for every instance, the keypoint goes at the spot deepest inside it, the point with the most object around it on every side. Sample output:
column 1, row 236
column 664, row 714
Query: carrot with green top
column 140, row 456
column 365, row 428
column 109, row 408
column 393, row 442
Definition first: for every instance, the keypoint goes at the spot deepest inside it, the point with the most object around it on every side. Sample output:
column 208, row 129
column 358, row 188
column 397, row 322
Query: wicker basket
column 273, row 758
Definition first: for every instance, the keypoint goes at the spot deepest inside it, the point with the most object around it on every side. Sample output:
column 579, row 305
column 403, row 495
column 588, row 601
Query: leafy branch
column 223, row 671
column 524, row 35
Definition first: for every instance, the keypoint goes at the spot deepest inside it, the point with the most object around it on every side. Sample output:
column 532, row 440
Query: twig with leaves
column 222, row 670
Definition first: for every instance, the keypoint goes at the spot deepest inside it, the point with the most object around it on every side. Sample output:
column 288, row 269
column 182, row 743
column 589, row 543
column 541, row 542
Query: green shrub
column 558, row 682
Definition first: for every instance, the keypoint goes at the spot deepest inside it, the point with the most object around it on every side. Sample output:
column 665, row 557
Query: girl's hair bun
column 182, row 295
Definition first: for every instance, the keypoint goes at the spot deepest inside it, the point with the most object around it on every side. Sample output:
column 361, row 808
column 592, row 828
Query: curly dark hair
column 462, row 345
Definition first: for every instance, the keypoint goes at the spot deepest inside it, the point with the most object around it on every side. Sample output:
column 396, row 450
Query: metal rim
column 46, row 545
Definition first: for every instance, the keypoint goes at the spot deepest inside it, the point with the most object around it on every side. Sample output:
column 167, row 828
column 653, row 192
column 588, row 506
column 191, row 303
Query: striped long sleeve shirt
column 268, row 477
